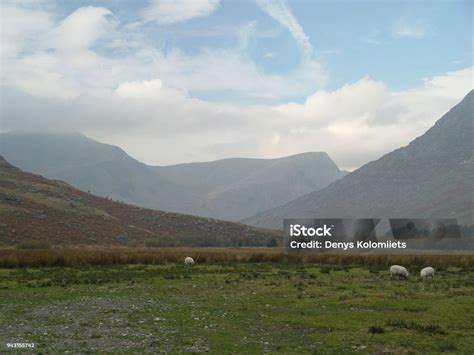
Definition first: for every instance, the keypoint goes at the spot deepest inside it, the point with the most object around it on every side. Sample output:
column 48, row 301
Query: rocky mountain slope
column 431, row 177
column 33, row 207
column 103, row 169
column 230, row 189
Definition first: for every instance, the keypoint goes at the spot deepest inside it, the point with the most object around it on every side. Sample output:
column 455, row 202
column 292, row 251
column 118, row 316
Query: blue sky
column 195, row 80
column 351, row 39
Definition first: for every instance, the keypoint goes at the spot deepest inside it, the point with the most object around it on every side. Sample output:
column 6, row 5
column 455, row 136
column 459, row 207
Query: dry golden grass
column 76, row 256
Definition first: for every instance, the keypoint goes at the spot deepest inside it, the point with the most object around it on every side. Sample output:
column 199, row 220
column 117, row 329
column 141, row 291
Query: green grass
column 246, row 308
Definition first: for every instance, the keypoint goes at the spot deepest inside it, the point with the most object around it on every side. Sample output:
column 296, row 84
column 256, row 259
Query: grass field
column 279, row 307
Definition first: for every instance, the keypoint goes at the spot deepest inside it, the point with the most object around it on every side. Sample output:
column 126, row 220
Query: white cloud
column 233, row 73
column 147, row 89
column 60, row 60
column 279, row 10
column 354, row 101
column 354, row 124
column 167, row 12
column 80, row 29
column 140, row 89
column 413, row 29
column 20, row 28
column 50, row 60
column 41, row 82
column 144, row 97
column 364, row 120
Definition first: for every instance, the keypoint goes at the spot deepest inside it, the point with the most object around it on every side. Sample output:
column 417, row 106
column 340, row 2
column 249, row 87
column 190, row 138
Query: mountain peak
column 26, row 205
column 429, row 178
column 229, row 189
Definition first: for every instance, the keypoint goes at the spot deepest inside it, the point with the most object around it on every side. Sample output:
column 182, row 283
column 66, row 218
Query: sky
column 199, row 80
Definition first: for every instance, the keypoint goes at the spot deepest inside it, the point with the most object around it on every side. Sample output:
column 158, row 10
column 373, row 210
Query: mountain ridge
column 33, row 207
column 430, row 177
column 230, row 189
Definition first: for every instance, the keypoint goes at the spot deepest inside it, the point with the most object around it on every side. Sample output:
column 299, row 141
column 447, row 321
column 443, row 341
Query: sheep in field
column 427, row 272
column 399, row 271
column 189, row 261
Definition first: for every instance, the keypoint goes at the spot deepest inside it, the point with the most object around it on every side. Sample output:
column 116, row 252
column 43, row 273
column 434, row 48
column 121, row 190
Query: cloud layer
column 90, row 72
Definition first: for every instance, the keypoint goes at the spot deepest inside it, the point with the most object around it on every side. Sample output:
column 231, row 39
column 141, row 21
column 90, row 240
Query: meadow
column 233, row 301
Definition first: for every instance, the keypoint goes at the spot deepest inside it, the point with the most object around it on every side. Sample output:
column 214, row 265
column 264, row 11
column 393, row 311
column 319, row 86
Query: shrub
column 375, row 329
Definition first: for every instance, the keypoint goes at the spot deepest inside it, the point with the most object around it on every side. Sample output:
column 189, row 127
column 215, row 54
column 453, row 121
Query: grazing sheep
column 427, row 272
column 400, row 271
column 188, row 261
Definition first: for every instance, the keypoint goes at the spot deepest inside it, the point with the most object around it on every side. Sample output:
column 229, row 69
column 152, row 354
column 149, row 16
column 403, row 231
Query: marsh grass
column 77, row 256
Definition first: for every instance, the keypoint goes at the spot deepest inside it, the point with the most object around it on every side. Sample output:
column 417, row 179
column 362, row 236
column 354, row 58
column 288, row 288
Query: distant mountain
column 235, row 188
column 33, row 207
column 431, row 177
column 230, row 189
column 103, row 169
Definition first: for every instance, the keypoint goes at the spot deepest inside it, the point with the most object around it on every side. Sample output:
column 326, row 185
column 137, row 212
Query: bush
column 375, row 329
column 33, row 244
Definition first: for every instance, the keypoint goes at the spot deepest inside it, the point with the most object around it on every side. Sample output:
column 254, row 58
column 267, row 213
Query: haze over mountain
column 230, row 189
column 103, row 169
column 432, row 177
column 33, row 207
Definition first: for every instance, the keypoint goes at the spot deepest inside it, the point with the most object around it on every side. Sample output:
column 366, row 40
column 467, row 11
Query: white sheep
column 189, row 261
column 427, row 272
column 400, row 271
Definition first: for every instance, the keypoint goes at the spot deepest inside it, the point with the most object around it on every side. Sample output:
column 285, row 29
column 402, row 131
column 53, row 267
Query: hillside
column 103, row 169
column 33, row 207
column 235, row 188
column 230, row 189
column 431, row 177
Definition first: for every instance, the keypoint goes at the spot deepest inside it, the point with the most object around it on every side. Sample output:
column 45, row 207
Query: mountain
column 235, row 188
column 230, row 189
column 33, row 207
column 103, row 169
column 431, row 177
